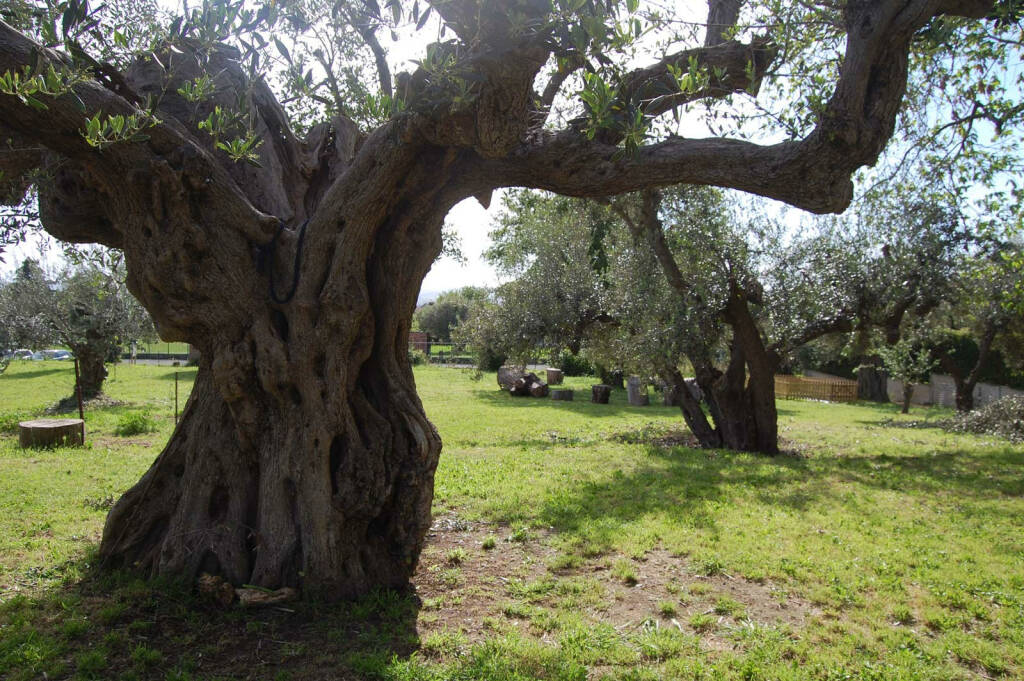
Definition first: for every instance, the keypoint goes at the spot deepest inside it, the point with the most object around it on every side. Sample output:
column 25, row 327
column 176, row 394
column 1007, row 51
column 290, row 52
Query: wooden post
column 554, row 376
column 175, row 398
column 562, row 394
column 600, row 393
column 78, row 395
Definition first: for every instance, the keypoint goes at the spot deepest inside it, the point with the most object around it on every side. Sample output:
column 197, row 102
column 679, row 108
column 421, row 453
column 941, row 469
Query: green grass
column 903, row 545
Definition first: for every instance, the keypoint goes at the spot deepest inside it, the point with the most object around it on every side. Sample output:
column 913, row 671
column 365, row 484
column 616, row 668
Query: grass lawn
column 571, row 541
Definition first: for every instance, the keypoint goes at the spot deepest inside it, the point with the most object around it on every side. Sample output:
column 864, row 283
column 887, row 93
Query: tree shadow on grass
column 184, row 374
column 687, row 486
column 117, row 625
column 996, row 474
column 36, row 373
column 617, row 406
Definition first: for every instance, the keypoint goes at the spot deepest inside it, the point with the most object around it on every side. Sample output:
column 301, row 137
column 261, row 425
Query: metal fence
column 444, row 353
column 825, row 389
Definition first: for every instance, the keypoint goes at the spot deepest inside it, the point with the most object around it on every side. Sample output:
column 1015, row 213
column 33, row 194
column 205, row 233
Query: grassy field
column 571, row 541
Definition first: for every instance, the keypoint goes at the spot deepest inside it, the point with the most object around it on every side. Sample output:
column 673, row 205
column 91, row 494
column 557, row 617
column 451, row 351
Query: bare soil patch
column 467, row 595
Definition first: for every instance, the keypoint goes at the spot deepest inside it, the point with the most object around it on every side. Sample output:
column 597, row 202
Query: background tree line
column 703, row 283
column 84, row 307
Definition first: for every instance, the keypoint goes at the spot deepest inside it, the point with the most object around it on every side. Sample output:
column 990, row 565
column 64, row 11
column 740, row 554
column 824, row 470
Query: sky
column 472, row 222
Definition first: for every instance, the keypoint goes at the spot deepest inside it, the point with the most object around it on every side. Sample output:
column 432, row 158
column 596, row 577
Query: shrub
column 9, row 421
column 1003, row 418
column 417, row 357
column 490, row 359
column 134, row 423
column 574, row 365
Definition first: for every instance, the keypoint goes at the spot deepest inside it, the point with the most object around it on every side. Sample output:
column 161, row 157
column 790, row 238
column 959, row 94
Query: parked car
column 37, row 356
column 61, row 355
column 22, row 354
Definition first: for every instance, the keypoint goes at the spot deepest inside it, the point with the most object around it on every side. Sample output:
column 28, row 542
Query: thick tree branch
column 728, row 67
column 18, row 159
column 368, row 31
column 566, row 67
column 813, row 330
column 60, row 127
column 813, row 173
column 722, row 17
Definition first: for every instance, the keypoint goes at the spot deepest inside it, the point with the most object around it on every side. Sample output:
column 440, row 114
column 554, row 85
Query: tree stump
column 555, row 376
column 600, row 393
column 562, row 394
column 636, row 391
column 508, row 375
column 50, row 433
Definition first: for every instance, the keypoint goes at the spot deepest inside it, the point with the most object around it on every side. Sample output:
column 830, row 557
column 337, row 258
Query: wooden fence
column 825, row 389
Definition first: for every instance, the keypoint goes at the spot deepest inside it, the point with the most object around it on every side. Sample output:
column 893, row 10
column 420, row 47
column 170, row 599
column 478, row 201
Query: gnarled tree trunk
column 304, row 457
column 91, row 368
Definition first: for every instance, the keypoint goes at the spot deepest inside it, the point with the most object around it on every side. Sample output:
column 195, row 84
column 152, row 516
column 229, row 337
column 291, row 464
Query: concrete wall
column 941, row 391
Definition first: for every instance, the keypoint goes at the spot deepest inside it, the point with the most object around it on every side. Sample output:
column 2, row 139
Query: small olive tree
column 86, row 308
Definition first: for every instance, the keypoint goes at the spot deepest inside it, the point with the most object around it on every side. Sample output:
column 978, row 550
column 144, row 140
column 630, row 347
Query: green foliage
column 490, row 358
column 418, row 357
column 102, row 131
column 135, row 423
column 29, row 86
column 907, row 360
column 962, row 347
column 573, row 365
column 9, row 421
column 440, row 317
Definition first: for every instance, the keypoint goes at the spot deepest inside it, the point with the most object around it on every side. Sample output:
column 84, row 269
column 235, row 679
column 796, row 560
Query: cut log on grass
column 562, row 394
column 528, row 386
column 600, row 393
column 636, row 391
column 508, row 375
column 555, row 376
column 50, row 433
